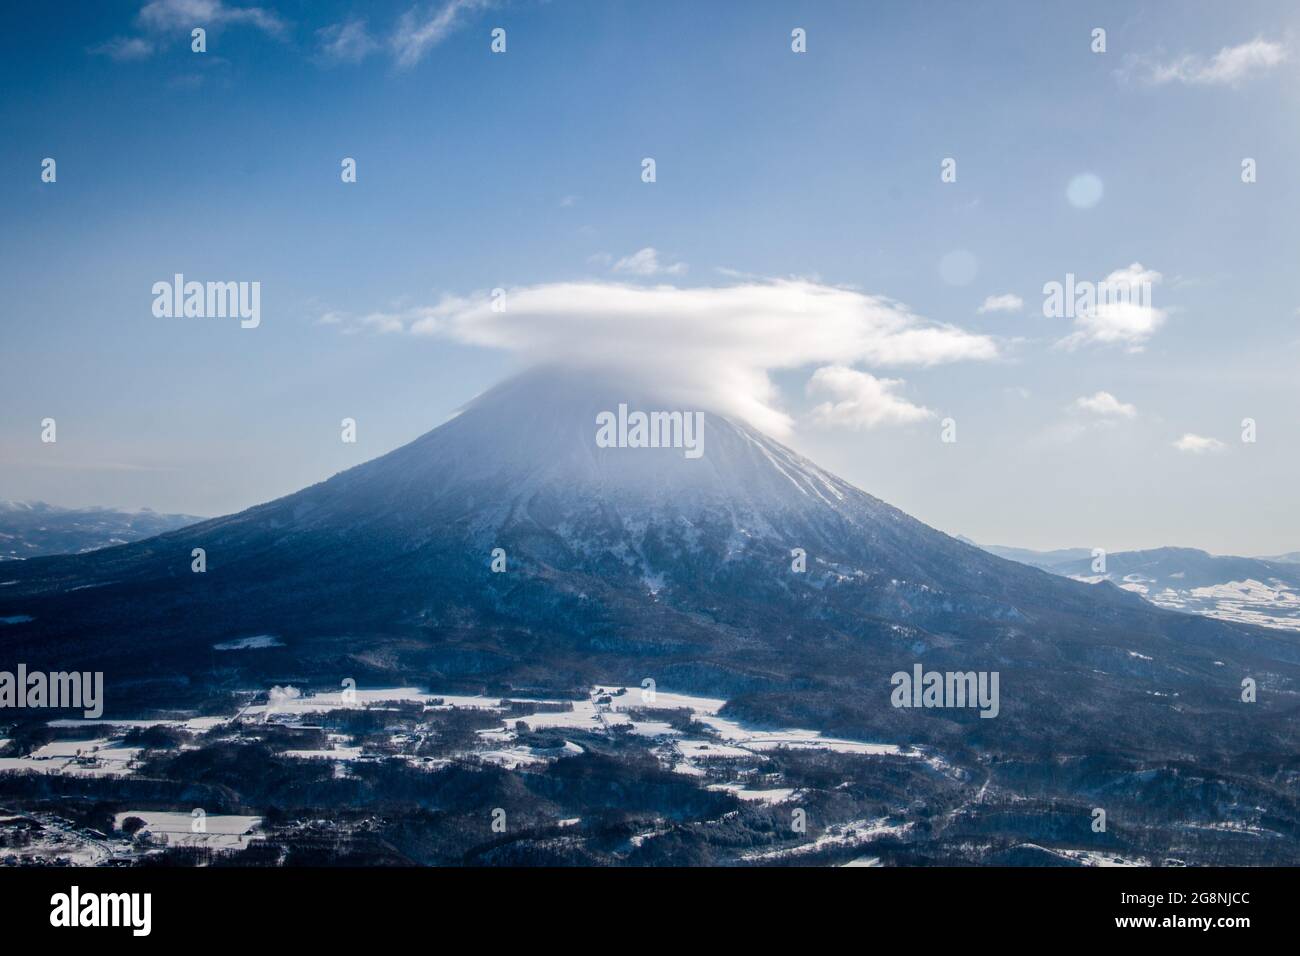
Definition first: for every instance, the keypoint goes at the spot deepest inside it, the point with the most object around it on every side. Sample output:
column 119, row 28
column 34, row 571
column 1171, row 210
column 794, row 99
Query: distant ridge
column 31, row 529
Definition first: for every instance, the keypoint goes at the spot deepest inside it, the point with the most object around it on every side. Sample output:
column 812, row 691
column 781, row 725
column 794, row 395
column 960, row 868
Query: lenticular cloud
column 715, row 346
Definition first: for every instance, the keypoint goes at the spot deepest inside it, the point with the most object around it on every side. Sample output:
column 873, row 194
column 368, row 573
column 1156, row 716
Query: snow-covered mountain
column 622, row 563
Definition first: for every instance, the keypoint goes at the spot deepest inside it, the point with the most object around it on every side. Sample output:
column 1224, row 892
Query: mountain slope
column 624, row 563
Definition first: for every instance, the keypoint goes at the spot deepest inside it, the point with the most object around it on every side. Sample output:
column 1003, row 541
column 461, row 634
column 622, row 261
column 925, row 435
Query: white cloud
column 382, row 322
column 1198, row 444
column 123, row 49
column 1106, row 405
column 165, row 15
column 645, row 262
column 417, row 33
column 859, row 400
column 1123, row 317
column 1229, row 67
column 713, row 345
column 1010, row 302
column 348, row 42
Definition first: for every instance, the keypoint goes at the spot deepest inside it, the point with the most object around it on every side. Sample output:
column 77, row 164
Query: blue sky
column 780, row 177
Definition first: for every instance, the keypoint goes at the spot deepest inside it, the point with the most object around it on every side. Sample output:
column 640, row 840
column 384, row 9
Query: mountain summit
column 509, row 548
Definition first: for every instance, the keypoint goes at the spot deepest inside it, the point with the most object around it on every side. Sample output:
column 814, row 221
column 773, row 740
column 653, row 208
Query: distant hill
column 1291, row 557
column 33, row 529
column 1262, row 591
column 1046, row 560
column 1183, row 568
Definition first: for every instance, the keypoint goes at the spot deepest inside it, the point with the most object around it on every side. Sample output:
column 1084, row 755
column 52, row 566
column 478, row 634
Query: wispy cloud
column 712, row 345
column 1009, row 302
column 158, row 17
column 382, row 322
column 95, row 465
column 419, row 31
column 348, row 42
column 125, row 49
column 162, row 15
column 860, row 400
column 1229, row 67
column 1198, row 444
column 1105, row 405
column 645, row 262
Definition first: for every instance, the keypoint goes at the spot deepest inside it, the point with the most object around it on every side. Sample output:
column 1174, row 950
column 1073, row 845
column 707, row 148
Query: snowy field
column 76, row 758
column 688, row 735
column 219, row 831
column 607, row 709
